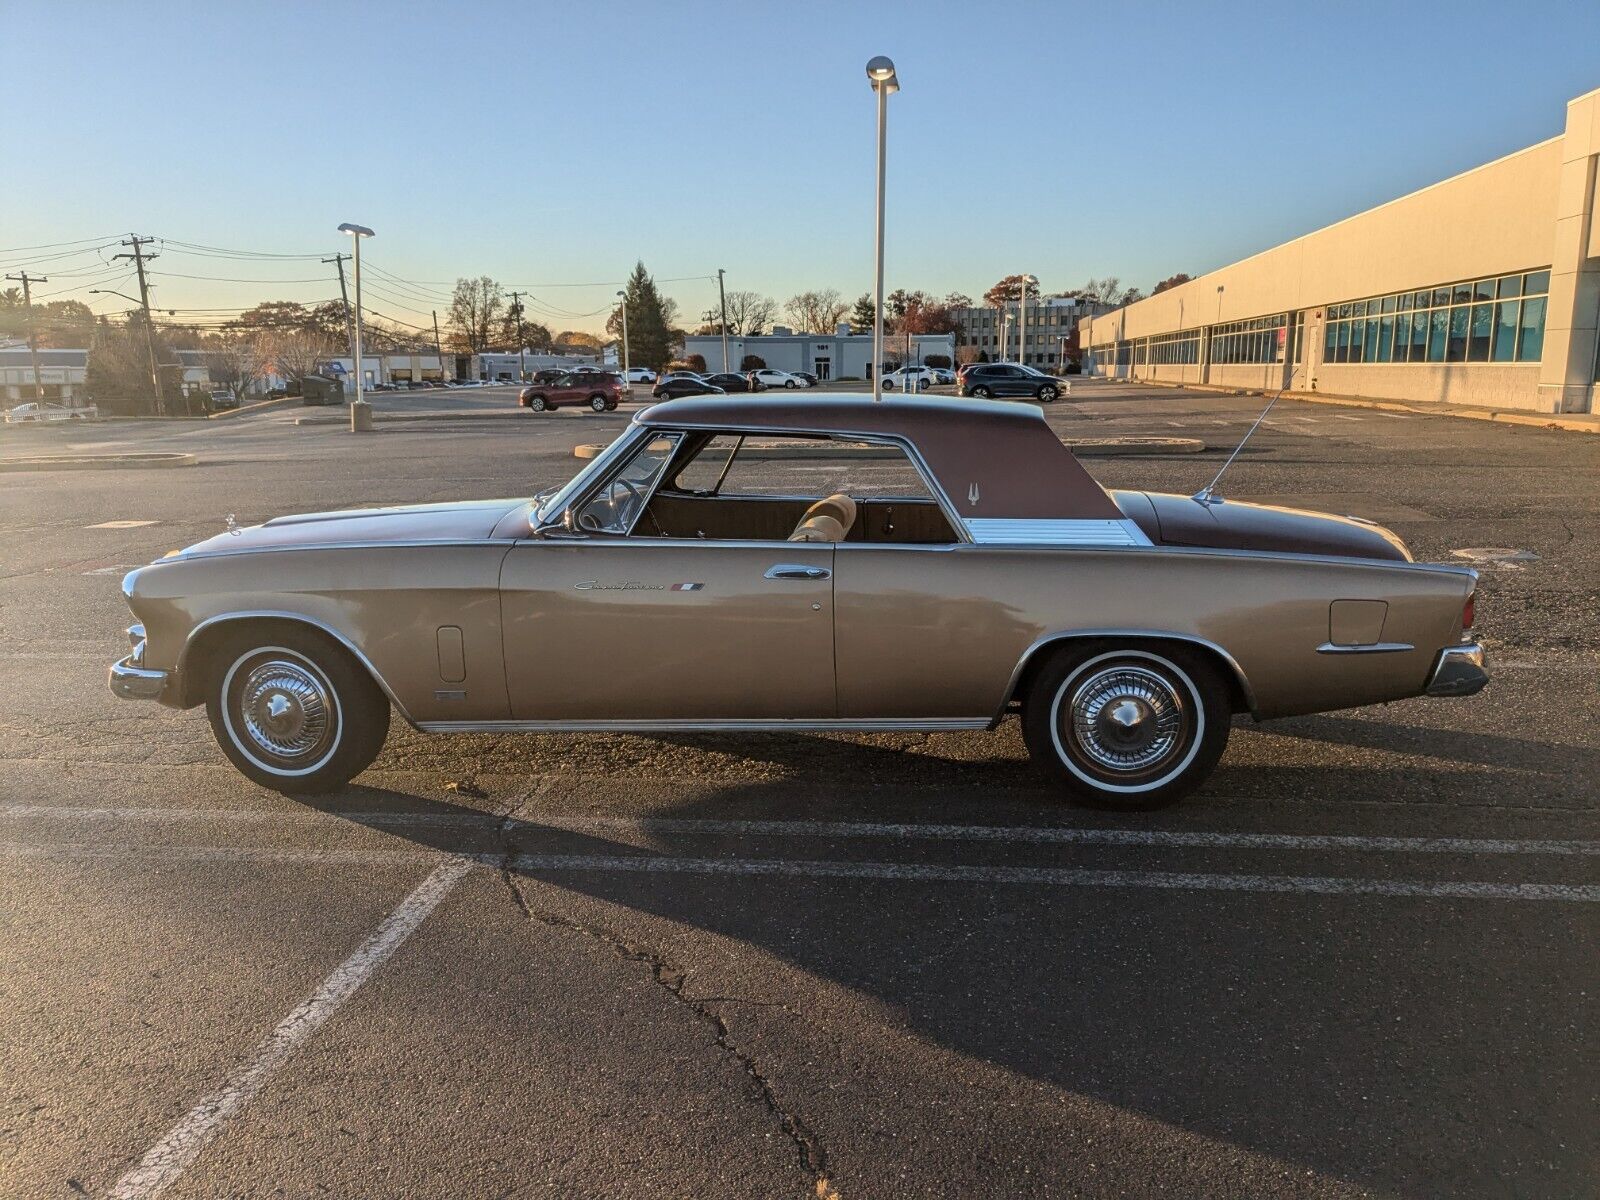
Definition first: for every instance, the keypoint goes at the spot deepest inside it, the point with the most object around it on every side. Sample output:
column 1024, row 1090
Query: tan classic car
column 733, row 563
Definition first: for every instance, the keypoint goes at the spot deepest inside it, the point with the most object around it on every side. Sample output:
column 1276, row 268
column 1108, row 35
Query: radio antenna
column 1208, row 494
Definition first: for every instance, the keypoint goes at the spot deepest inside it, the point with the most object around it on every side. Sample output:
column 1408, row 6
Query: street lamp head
column 622, row 293
column 357, row 230
column 880, row 70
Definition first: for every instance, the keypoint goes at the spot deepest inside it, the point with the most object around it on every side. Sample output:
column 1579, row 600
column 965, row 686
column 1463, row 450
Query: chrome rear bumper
column 1458, row 671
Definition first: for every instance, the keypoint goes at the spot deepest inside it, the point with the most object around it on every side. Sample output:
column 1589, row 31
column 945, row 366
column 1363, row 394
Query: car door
column 610, row 626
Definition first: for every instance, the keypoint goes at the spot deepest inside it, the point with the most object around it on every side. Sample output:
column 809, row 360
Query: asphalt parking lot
column 1361, row 961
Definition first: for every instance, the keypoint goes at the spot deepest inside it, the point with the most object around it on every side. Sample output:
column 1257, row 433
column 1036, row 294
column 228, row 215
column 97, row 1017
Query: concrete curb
column 1086, row 447
column 1569, row 422
column 260, row 406
column 96, row 462
column 493, row 414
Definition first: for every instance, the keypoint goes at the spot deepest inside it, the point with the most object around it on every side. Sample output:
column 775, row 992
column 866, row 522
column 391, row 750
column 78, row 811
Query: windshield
column 550, row 502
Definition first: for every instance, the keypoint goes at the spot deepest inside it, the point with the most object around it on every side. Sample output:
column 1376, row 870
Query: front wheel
column 1128, row 728
column 293, row 710
column 789, row 383
column 1046, row 395
column 537, row 404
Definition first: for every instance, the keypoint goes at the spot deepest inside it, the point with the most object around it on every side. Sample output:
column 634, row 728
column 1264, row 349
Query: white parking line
column 827, row 869
column 168, row 1158
column 909, row 831
column 1346, row 417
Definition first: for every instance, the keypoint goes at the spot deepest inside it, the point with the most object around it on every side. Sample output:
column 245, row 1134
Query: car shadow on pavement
column 1366, row 1038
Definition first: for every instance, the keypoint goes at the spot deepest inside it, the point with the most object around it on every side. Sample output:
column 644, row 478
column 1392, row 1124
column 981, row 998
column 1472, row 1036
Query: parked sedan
column 766, row 377
column 684, row 384
column 810, row 379
column 986, row 380
column 728, row 381
column 1126, row 628
column 601, row 393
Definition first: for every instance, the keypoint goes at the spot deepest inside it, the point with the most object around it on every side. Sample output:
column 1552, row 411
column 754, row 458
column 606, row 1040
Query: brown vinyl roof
column 1005, row 452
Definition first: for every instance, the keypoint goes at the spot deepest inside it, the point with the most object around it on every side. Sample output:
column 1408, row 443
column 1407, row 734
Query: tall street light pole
column 722, row 295
column 626, row 382
column 880, row 71
column 357, row 232
column 1022, row 320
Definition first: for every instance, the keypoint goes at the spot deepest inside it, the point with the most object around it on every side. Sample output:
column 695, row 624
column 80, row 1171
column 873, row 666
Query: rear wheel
column 982, row 393
column 598, row 402
column 1130, row 727
column 293, row 710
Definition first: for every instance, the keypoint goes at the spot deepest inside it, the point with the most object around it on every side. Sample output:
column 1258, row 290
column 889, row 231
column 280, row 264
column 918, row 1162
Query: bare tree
column 475, row 311
column 293, row 353
column 750, row 313
column 817, row 312
column 236, row 362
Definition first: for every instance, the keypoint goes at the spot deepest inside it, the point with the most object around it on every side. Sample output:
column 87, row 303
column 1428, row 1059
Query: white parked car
column 910, row 379
column 34, row 412
column 769, row 378
column 640, row 375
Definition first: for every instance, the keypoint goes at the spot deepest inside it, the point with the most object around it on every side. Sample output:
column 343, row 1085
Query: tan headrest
column 838, row 506
column 821, row 528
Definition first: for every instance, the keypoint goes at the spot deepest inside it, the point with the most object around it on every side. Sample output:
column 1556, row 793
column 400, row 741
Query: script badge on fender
column 687, row 587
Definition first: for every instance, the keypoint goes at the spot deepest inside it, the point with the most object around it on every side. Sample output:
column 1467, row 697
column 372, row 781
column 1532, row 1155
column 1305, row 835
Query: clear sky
column 557, row 143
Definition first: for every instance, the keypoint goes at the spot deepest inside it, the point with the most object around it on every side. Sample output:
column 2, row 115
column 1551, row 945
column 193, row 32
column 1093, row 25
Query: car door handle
column 796, row 571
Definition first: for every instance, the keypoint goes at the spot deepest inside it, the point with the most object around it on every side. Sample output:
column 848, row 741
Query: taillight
column 1469, row 612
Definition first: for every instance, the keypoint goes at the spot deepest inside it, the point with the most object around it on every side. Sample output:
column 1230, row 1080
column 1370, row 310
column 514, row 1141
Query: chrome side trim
column 1368, row 648
column 302, row 619
column 1160, row 635
column 1458, row 671
column 774, row 725
column 1013, row 531
column 308, row 547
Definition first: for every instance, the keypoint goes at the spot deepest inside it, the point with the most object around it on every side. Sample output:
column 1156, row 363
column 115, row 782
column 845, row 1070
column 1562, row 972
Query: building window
column 1168, row 349
column 1499, row 319
column 1261, row 340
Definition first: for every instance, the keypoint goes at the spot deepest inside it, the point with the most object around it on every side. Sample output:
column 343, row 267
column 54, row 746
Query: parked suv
column 984, row 380
column 598, row 391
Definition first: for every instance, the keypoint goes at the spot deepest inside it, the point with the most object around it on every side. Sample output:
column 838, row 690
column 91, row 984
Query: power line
column 107, row 239
column 230, row 279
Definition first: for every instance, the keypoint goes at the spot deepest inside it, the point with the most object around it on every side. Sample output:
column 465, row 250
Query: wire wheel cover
column 284, row 710
column 1127, row 720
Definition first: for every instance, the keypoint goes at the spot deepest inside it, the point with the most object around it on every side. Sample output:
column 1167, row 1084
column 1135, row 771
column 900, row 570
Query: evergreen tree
column 651, row 336
column 861, row 315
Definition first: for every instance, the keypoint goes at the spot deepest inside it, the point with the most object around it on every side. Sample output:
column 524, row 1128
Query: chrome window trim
column 697, row 725
column 905, row 445
column 1166, row 635
column 300, row 618
column 567, row 495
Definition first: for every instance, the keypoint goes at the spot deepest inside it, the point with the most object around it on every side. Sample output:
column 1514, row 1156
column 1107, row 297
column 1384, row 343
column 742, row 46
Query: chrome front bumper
column 1458, row 671
column 131, row 679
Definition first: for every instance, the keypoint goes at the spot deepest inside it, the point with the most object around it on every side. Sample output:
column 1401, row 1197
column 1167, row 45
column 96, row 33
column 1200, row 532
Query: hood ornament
column 233, row 524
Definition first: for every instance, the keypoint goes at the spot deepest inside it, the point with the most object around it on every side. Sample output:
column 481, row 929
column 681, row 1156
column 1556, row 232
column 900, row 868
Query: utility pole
column 33, row 338
column 522, row 362
column 722, row 292
column 139, row 257
column 437, row 349
column 349, row 329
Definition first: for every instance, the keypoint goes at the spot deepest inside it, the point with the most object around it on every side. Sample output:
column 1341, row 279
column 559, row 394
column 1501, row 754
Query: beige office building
column 1483, row 289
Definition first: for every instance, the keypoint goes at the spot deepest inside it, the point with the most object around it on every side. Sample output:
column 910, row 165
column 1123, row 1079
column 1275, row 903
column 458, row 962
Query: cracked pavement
column 826, row 966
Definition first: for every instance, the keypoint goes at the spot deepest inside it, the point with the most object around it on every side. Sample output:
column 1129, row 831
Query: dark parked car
column 728, row 381
column 674, row 386
column 597, row 392
column 811, row 380
column 984, row 380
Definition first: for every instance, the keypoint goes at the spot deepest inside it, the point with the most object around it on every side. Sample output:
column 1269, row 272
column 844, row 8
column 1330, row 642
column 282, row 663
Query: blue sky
column 543, row 143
